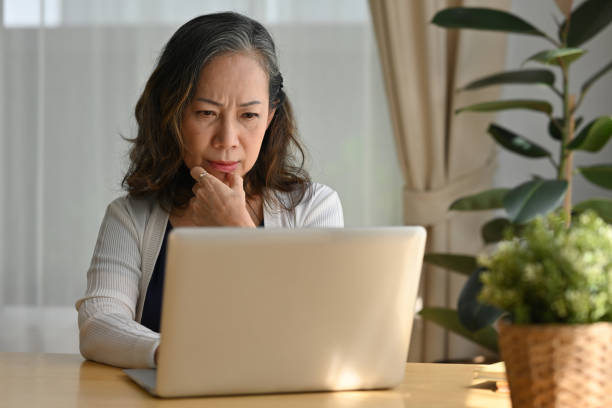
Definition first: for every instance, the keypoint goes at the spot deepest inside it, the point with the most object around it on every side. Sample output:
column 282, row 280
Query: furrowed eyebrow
column 220, row 104
column 250, row 103
column 209, row 101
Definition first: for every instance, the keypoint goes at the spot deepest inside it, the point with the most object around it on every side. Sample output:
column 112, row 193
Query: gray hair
column 205, row 37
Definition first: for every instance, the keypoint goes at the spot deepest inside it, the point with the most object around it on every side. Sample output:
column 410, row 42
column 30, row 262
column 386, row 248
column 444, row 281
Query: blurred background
column 71, row 73
column 72, row 70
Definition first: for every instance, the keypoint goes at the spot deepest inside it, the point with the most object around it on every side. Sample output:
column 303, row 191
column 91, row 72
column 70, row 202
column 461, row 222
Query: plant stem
column 579, row 101
column 565, row 159
column 568, row 19
column 569, row 165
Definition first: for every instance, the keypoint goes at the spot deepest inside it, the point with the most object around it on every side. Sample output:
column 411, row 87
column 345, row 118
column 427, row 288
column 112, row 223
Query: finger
column 197, row 173
column 191, row 204
column 213, row 183
column 195, row 188
column 235, row 182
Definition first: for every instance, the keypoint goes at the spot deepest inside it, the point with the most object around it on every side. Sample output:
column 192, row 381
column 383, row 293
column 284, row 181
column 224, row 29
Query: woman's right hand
column 217, row 204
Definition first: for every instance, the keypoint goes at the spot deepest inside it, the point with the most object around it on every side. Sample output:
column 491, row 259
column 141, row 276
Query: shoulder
column 131, row 211
column 133, row 205
column 319, row 193
column 319, row 207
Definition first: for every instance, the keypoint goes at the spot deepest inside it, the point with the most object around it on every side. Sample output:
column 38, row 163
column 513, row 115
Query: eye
column 250, row 115
column 205, row 113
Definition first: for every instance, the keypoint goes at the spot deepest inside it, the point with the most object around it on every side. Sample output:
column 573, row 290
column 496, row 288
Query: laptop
column 251, row 311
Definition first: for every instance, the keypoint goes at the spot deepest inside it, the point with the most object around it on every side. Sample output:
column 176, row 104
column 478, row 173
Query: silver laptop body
column 249, row 311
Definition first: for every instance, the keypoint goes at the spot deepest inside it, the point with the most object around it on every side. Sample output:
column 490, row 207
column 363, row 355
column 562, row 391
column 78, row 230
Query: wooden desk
column 66, row 380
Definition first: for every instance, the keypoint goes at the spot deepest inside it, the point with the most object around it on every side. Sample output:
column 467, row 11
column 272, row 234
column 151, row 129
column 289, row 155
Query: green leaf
column 602, row 206
column 526, row 76
column 589, row 82
column 600, row 175
column 516, row 143
column 594, row 136
column 484, row 19
column 493, row 231
column 449, row 319
column 485, row 200
column 464, row 264
column 473, row 314
column 529, row 104
column 557, row 56
column 534, row 198
column 586, row 21
column 554, row 131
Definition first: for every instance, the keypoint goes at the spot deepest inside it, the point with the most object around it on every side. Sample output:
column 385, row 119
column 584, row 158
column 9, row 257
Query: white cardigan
column 128, row 244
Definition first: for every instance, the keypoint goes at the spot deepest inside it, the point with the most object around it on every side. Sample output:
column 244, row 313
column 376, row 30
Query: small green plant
column 551, row 273
column 538, row 196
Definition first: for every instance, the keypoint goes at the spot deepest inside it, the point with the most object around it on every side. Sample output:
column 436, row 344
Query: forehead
column 234, row 72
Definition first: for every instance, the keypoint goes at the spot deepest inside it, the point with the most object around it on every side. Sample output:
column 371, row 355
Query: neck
column 255, row 208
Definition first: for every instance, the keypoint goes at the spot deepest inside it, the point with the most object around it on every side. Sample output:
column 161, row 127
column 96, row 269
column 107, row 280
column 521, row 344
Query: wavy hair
column 156, row 159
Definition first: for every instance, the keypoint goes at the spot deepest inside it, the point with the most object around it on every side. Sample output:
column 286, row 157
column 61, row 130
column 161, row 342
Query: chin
column 220, row 176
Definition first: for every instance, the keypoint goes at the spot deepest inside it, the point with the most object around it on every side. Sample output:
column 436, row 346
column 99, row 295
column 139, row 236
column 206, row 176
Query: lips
column 223, row 166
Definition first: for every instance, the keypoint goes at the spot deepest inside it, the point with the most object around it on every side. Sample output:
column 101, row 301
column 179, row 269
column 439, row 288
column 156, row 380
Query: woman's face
column 224, row 125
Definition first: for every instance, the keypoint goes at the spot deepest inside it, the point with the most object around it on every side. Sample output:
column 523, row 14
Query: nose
column 226, row 135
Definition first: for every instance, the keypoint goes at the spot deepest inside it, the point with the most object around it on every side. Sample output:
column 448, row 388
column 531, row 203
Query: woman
column 215, row 144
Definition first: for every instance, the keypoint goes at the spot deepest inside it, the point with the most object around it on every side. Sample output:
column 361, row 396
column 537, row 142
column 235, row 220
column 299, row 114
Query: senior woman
column 216, row 146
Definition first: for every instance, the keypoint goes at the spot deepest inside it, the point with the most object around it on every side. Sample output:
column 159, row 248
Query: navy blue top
column 151, row 311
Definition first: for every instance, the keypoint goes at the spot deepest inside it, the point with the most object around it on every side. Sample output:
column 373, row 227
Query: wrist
column 248, row 221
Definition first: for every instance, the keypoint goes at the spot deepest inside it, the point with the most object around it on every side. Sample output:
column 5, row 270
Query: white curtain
column 70, row 74
column 443, row 156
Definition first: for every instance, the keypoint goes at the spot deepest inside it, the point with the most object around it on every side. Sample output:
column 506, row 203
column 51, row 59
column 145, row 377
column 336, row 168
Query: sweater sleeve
column 322, row 210
column 108, row 332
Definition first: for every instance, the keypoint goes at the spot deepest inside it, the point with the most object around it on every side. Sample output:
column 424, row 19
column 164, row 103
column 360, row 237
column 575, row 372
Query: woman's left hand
column 217, row 204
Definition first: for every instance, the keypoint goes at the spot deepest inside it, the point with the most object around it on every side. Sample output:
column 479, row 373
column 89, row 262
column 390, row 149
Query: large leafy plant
column 538, row 196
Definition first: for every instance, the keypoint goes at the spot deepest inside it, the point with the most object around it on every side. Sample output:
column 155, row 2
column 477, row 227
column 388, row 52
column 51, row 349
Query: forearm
column 109, row 335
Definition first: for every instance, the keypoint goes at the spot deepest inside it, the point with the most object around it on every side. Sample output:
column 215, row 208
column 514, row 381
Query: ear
column 270, row 116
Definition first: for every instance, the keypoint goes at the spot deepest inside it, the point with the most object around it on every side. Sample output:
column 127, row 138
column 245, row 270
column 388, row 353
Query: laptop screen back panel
column 286, row 311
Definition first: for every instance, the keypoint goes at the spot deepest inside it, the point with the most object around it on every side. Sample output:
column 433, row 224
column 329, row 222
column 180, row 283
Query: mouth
column 223, row 166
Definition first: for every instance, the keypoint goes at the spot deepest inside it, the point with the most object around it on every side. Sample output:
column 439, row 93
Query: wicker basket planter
column 558, row 365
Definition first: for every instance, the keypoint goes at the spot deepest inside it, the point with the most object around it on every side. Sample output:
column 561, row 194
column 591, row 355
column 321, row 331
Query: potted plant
column 473, row 319
column 555, row 282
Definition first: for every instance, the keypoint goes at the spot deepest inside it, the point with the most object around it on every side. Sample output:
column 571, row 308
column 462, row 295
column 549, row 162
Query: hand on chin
column 218, row 201
column 221, row 176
